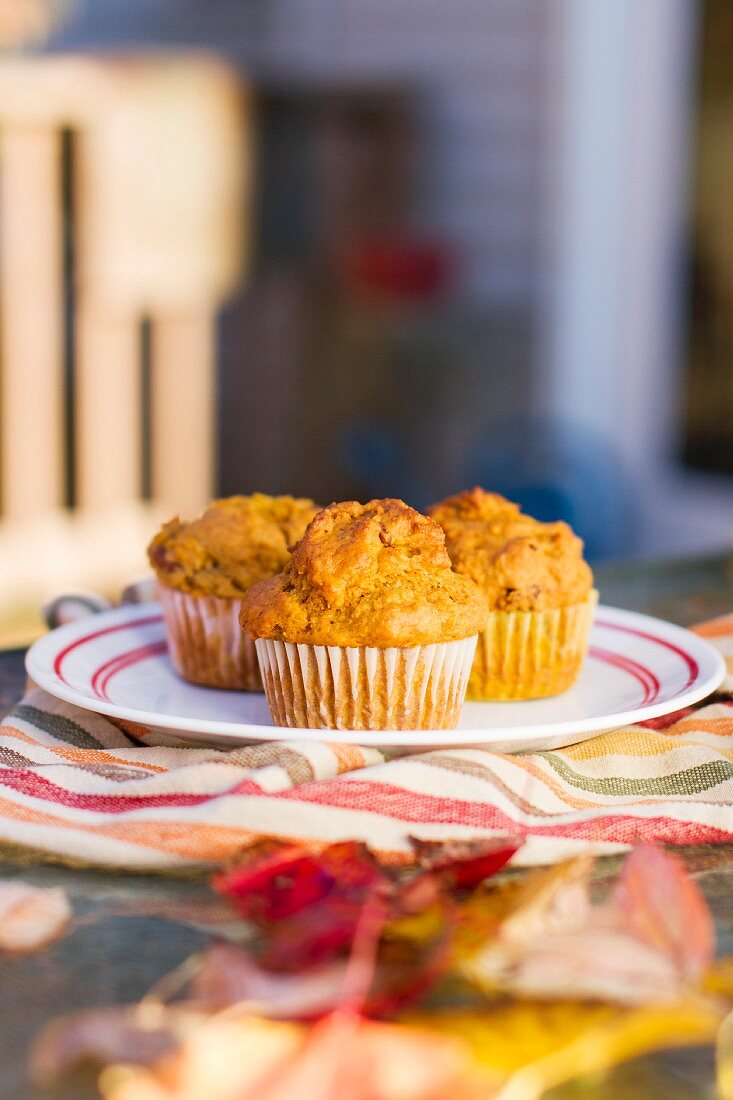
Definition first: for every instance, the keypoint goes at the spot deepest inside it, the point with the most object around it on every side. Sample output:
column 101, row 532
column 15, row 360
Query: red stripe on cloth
column 36, row 786
column 408, row 806
column 666, row 720
column 396, row 802
column 627, row 829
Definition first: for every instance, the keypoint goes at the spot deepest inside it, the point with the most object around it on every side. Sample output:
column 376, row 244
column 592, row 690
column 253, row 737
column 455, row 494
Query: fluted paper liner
column 363, row 687
column 531, row 654
column 206, row 642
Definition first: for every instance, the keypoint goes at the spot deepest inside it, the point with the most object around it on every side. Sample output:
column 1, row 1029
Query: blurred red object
column 395, row 270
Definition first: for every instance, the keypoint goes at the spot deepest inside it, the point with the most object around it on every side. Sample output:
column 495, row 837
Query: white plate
column 117, row 663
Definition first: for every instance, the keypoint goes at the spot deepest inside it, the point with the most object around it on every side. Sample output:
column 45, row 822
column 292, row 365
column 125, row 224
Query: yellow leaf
column 480, row 915
column 724, row 1058
column 415, row 929
column 719, row 978
column 530, row 1047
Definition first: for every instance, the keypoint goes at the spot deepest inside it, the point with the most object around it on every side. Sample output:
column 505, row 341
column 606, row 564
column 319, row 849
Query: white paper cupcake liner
column 531, row 654
column 206, row 642
column 363, row 687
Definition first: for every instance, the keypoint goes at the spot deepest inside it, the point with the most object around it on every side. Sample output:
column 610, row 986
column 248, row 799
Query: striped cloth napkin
column 77, row 786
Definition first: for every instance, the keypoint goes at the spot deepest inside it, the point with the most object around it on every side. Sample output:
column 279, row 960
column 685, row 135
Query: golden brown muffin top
column 374, row 574
column 237, row 542
column 519, row 563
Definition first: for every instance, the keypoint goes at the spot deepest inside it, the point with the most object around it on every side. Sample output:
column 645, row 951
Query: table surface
column 130, row 930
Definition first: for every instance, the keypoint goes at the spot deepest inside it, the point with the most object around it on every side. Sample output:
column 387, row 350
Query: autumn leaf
column 31, row 916
column 550, row 900
column 574, row 985
column 656, row 900
column 724, row 1059
column 528, row 1047
column 272, row 881
column 718, row 979
column 461, row 864
column 341, row 1058
column 552, row 942
column 362, row 1060
column 598, row 964
column 223, row 1059
column 237, row 1054
column 412, row 957
column 307, row 905
column 228, row 976
column 137, row 1034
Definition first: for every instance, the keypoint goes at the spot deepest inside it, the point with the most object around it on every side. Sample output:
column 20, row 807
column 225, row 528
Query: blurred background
column 348, row 248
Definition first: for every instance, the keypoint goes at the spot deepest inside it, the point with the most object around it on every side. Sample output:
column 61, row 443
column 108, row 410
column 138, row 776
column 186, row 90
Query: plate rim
column 39, row 663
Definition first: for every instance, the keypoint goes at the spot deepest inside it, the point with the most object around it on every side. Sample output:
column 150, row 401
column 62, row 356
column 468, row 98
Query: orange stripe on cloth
column 13, row 731
column 721, row 727
column 349, row 757
column 715, row 628
column 81, row 756
column 194, row 840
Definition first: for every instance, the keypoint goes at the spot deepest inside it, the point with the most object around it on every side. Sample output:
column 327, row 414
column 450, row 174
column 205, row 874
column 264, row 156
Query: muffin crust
column 375, row 574
column 235, row 543
column 519, row 563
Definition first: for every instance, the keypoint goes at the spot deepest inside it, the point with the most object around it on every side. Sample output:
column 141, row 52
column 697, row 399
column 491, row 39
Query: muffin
column 204, row 568
column 368, row 627
column 539, row 592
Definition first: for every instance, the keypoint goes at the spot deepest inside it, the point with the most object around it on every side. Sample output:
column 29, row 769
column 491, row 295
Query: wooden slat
column 31, row 316
column 183, row 400
column 108, row 427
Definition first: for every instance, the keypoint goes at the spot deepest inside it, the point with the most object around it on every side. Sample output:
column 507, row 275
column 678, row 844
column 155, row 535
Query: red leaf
column 277, row 881
column 657, row 901
column 229, row 976
column 308, row 904
column 312, row 936
column 462, row 864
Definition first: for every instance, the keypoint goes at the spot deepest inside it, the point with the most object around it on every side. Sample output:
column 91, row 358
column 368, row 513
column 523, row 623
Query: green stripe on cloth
column 691, row 781
column 58, row 726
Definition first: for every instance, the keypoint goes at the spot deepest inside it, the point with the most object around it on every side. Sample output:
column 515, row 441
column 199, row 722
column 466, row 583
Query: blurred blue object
column 559, row 470
column 553, row 469
column 378, row 461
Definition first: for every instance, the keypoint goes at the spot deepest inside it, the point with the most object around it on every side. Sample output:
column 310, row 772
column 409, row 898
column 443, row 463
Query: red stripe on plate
column 102, row 675
column 61, row 657
column 644, row 675
column 689, row 660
